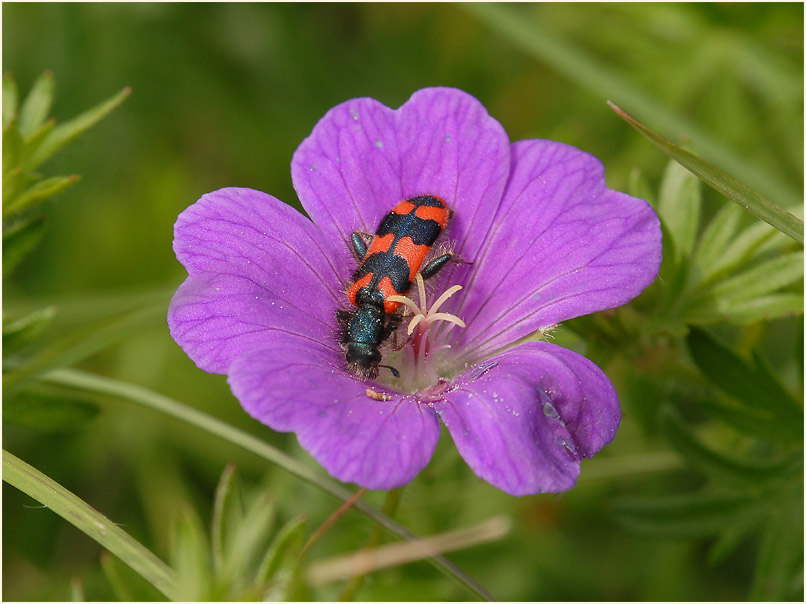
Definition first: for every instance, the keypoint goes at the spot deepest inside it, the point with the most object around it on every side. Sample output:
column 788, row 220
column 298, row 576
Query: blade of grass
column 598, row 78
column 77, row 512
column 722, row 182
column 182, row 412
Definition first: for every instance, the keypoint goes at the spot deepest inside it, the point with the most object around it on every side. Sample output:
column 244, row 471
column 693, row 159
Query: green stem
column 177, row 410
column 390, row 506
column 79, row 513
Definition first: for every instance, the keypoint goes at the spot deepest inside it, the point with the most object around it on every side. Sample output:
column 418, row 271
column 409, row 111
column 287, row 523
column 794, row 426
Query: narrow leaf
column 709, row 461
column 717, row 235
column 282, row 558
column 684, row 516
column 250, row 538
column 20, row 240
column 779, row 569
column 91, row 522
column 519, row 28
column 679, row 207
column 128, row 585
column 20, row 332
column 36, row 138
column 37, row 193
column 722, row 182
column 12, row 148
column 731, row 538
column 10, row 98
column 744, row 312
column 84, row 342
column 764, row 278
column 227, row 513
column 741, row 250
column 637, row 186
column 182, row 412
column 35, row 107
column 190, row 557
column 743, row 381
column 66, row 132
column 747, row 420
column 47, row 411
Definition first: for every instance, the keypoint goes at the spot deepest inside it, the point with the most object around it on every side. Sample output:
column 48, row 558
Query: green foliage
column 708, row 362
column 722, row 182
column 29, row 140
column 46, row 410
column 239, row 560
column 726, row 271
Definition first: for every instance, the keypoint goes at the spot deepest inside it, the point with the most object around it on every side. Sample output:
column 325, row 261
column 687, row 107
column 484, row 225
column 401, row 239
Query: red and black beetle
column 388, row 267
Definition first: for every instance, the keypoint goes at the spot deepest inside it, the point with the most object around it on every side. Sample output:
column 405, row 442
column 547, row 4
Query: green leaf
column 729, row 540
column 10, row 99
column 20, row 240
column 47, row 411
column 127, row 585
column 185, row 413
column 748, row 420
column 64, row 133
column 36, row 139
column 282, row 558
column 599, row 78
column 37, row 193
column 745, row 382
column 709, row 461
column 723, row 183
column 679, row 208
column 190, row 556
column 721, row 230
column 84, row 342
column 35, row 107
column 764, row 278
column 637, row 186
column 55, row 497
column 744, row 312
column 779, row 569
column 12, row 149
column 20, row 332
column 250, row 539
column 685, row 516
column 739, row 251
column 227, row 514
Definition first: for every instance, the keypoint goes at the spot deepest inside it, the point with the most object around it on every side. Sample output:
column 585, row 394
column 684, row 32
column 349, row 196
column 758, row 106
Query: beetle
column 388, row 267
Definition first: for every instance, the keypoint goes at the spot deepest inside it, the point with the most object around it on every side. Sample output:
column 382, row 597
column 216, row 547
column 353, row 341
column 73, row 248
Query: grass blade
column 722, row 182
column 77, row 512
column 177, row 410
column 598, row 78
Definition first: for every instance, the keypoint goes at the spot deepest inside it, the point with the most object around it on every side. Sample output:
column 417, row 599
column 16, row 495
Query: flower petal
column 254, row 263
column 299, row 385
column 563, row 245
column 523, row 420
column 362, row 158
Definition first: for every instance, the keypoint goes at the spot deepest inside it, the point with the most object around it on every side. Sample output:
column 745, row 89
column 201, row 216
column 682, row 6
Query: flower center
column 428, row 331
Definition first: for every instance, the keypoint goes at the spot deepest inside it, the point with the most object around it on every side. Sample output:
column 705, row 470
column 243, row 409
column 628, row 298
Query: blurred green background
column 222, row 95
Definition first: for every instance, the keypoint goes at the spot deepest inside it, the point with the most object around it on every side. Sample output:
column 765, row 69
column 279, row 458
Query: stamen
column 427, row 341
column 422, row 313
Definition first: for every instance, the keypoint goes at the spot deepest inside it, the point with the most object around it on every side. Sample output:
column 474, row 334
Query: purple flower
column 542, row 240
